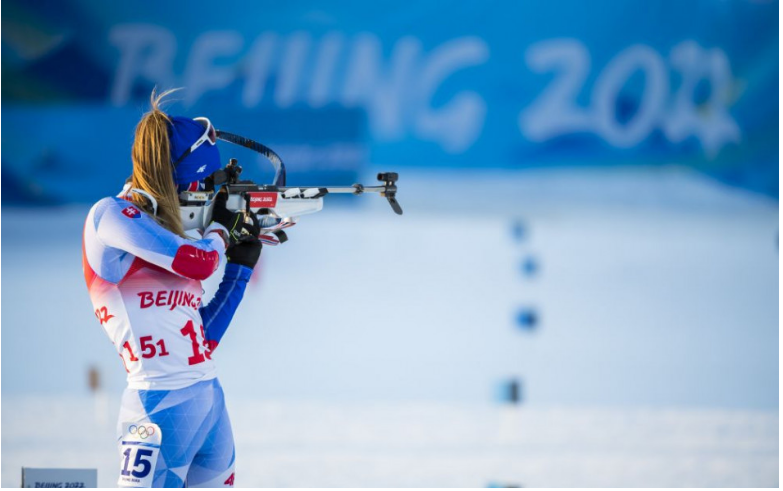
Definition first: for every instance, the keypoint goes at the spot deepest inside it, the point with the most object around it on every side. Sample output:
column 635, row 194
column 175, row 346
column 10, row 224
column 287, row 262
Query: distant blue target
column 530, row 267
column 527, row 319
column 519, row 230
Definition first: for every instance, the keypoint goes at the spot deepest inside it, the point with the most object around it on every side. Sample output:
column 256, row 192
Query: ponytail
column 152, row 170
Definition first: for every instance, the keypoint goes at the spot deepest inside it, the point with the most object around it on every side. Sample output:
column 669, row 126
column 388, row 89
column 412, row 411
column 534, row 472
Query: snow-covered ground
column 371, row 348
column 309, row 444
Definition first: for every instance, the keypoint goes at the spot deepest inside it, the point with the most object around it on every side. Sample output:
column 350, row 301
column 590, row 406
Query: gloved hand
column 240, row 225
column 244, row 252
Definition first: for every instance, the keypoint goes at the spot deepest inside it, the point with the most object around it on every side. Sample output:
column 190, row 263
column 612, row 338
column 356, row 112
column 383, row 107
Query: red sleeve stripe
column 192, row 262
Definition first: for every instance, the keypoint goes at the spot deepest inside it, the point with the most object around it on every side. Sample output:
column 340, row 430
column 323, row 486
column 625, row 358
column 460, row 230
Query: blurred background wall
column 487, row 85
column 591, row 221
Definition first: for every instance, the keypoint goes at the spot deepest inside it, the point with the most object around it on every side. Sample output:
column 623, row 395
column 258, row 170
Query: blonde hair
column 152, row 170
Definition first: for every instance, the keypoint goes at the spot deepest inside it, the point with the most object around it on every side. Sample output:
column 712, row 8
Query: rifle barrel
column 340, row 189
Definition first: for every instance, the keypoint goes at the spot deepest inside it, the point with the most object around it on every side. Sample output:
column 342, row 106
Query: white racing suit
column 145, row 287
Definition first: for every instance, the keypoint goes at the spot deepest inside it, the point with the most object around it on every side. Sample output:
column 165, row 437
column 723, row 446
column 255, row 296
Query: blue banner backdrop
column 425, row 84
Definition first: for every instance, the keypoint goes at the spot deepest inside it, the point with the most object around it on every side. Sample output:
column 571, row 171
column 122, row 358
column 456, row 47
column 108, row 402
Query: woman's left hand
column 245, row 252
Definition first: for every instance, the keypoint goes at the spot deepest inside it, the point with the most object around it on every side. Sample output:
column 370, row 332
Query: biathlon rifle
column 276, row 205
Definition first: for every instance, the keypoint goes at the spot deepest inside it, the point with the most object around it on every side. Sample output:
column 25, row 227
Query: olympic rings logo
column 142, row 431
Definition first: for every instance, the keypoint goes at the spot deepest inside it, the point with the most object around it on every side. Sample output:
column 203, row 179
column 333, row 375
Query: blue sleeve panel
column 218, row 313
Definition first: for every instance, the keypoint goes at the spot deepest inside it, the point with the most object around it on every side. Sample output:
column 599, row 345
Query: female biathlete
column 144, row 277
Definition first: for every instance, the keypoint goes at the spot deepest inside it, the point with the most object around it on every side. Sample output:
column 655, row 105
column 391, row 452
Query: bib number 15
column 140, row 445
column 141, row 463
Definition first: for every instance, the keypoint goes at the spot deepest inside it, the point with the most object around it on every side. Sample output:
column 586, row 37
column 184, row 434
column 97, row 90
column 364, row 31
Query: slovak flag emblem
column 131, row 212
